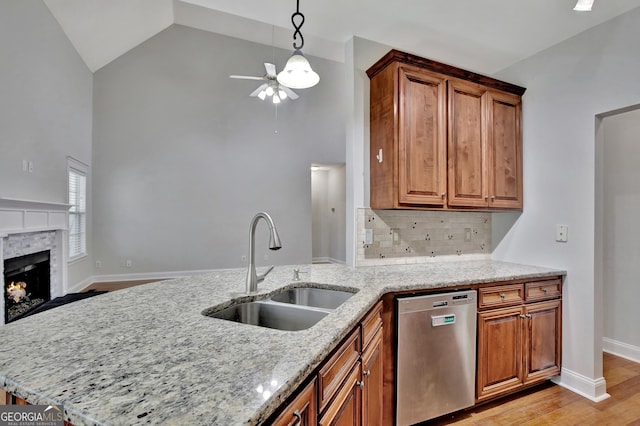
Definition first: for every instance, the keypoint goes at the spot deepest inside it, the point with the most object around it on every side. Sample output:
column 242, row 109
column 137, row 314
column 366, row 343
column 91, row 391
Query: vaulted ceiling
column 481, row 35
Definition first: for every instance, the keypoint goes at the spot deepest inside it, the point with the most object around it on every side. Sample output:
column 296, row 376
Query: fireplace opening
column 27, row 282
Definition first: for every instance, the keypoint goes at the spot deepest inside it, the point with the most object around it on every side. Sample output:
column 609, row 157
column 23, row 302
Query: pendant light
column 297, row 74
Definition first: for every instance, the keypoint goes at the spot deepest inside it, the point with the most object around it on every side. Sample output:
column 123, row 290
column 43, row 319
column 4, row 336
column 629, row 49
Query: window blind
column 77, row 213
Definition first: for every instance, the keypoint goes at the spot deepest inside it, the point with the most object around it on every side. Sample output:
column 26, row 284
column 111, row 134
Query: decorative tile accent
column 412, row 236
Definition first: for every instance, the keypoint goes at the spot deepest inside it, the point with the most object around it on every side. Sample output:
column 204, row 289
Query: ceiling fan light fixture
column 276, row 99
column 583, row 5
column 282, row 94
column 262, row 95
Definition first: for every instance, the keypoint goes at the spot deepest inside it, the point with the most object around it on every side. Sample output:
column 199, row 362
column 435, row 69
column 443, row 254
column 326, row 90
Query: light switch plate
column 562, row 233
column 368, row 236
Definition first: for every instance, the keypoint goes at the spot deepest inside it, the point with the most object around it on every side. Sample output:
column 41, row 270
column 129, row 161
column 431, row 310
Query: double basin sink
column 292, row 309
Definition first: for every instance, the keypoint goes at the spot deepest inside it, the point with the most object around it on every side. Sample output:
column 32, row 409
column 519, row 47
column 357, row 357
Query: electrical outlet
column 562, row 233
column 368, row 236
column 98, row 264
column 395, row 236
column 467, row 234
column 128, row 263
column 243, row 258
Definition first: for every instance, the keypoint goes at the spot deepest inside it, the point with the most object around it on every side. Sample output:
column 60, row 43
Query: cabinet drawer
column 504, row 295
column 371, row 323
column 302, row 410
column 542, row 290
column 337, row 368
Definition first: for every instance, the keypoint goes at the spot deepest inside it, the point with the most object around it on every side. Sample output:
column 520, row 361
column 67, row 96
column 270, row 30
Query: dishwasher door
column 435, row 355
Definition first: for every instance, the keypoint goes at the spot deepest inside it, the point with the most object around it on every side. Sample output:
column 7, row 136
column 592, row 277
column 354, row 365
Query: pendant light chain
column 297, row 32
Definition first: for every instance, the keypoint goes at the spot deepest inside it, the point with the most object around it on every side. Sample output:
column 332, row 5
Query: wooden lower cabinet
column 302, row 411
column 518, row 346
column 372, row 379
column 346, row 408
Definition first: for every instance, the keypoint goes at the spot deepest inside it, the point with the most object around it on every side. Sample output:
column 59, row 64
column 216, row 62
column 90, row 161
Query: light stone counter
column 147, row 355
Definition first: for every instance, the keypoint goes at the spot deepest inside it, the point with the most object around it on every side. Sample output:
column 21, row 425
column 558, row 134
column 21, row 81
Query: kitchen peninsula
column 147, row 354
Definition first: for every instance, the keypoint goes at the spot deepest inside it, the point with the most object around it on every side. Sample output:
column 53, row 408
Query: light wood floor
column 547, row 404
column 113, row 286
column 550, row 404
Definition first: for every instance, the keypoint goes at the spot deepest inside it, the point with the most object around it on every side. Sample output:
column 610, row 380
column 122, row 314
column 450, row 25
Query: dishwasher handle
column 438, row 320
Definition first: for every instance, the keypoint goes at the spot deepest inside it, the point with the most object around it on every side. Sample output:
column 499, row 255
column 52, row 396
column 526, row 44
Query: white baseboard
column 623, row 350
column 595, row 390
column 134, row 277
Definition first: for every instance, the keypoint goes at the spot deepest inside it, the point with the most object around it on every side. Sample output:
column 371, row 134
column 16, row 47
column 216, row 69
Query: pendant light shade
column 297, row 74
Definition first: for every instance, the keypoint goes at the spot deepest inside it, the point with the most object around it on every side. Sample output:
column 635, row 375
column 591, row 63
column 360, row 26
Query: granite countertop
column 147, row 355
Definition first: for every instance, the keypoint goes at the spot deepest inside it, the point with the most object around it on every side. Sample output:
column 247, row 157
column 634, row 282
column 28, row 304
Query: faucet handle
column 261, row 277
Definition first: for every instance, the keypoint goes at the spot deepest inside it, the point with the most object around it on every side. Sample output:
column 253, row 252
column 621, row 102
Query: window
column 77, row 173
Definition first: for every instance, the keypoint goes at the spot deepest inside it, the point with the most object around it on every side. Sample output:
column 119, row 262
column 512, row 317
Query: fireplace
column 27, row 282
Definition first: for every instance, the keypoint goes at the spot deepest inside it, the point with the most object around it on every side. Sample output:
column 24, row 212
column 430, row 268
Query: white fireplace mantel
column 19, row 216
column 26, row 220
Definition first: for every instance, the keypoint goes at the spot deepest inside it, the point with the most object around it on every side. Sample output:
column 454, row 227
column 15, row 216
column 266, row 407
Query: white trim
column 327, row 260
column 623, row 350
column 594, row 390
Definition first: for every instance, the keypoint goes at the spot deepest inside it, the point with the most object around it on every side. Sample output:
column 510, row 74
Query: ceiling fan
column 270, row 87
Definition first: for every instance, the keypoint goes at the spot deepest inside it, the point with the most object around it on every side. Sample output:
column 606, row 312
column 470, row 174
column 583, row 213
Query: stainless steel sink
column 271, row 315
column 315, row 297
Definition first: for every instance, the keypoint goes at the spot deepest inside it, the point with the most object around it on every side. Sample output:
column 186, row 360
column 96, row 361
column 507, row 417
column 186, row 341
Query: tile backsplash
column 414, row 236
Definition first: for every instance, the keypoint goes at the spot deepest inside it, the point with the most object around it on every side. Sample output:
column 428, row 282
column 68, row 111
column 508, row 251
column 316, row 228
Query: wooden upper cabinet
column 504, row 137
column 467, row 145
column 422, row 156
column 442, row 137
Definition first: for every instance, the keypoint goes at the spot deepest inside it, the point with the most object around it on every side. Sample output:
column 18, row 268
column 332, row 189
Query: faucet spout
column 274, row 244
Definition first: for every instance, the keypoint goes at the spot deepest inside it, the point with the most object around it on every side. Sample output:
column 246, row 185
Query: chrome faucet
column 274, row 244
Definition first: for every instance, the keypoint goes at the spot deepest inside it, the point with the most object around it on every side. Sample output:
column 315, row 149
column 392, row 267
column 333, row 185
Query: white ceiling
column 480, row 35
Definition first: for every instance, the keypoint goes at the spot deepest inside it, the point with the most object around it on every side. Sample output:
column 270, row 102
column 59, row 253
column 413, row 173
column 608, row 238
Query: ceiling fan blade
column 259, row 89
column 246, row 77
column 271, row 69
column 292, row 95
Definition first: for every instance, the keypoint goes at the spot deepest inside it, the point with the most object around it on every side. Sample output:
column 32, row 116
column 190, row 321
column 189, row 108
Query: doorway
column 328, row 213
column 618, row 230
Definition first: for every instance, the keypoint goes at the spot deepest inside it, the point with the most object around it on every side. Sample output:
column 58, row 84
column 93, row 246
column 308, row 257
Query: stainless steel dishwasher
column 436, row 355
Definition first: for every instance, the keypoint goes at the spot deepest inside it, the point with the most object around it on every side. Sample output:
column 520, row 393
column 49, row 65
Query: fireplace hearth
column 27, row 284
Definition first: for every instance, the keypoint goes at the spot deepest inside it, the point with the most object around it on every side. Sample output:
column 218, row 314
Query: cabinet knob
column 544, row 290
column 528, row 316
column 502, row 295
column 444, row 194
column 359, row 383
column 366, row 372
column 486, row 197
column 522, row 316
column 493, row 197
column 298, row 417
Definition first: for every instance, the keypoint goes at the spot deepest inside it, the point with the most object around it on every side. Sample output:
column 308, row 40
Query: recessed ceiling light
column 583, row 5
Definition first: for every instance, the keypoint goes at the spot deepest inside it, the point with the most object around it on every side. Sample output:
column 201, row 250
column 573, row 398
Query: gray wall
column 183, row 157
column 621, row 228
column 45, row 108
column 568, row 85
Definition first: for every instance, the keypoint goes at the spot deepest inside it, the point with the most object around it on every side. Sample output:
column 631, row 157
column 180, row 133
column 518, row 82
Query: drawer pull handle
column 297, row 415
column 544, row 290
column 366, row 372
column 361, row 384
column 502, row 295
column 522, row 316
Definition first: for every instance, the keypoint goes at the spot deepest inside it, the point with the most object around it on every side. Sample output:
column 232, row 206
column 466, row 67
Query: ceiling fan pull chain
column 297, row 32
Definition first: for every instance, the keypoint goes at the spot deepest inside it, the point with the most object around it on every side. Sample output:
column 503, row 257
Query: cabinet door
column 372, row 379
column 504, row 138
column 422, row 133
column 499, row 352
column 302, row 410
column 466, row 145
column 346, row 408
column 543, row 340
